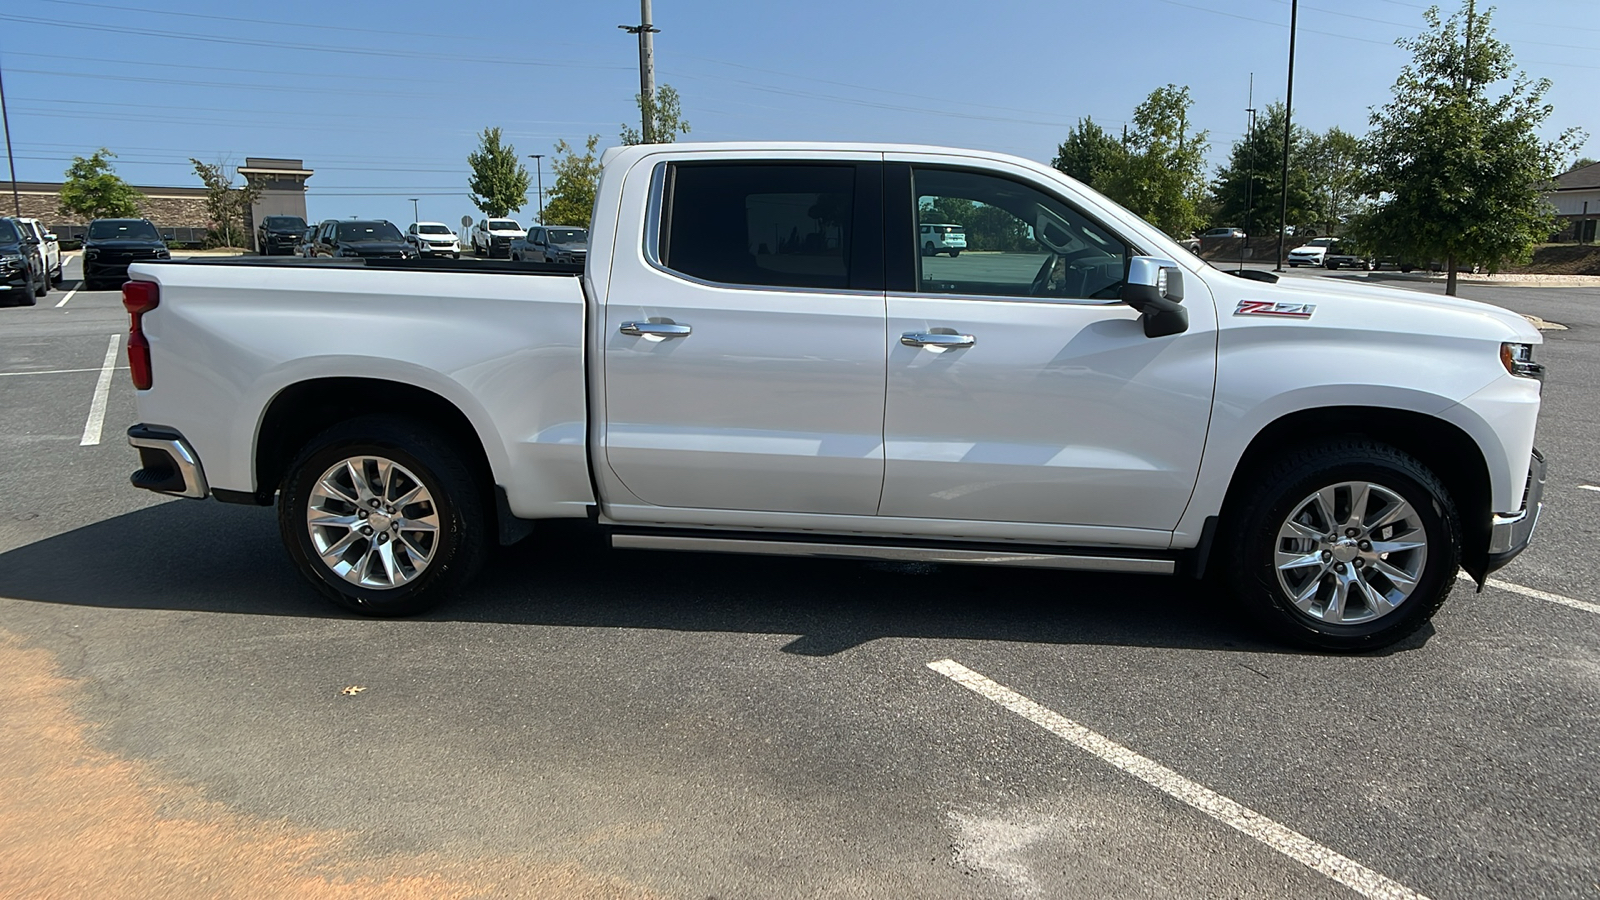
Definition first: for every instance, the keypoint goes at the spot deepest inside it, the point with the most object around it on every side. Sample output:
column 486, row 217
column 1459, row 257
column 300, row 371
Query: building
column 1577, row 201
column 281, row 184
column 172, row 209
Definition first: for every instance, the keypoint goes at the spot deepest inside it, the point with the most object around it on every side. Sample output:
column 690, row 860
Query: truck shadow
column 211, row 557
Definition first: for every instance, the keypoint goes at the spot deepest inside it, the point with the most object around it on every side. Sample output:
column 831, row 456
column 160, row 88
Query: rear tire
column 1392, row 560
column 954, row 253
column 366, row 553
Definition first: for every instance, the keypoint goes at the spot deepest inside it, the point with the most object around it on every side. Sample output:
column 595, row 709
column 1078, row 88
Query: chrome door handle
column 654, row 329
column 939, row 341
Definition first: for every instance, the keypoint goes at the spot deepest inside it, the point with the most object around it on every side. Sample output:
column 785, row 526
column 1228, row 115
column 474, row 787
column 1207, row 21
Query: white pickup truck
column 758, row 358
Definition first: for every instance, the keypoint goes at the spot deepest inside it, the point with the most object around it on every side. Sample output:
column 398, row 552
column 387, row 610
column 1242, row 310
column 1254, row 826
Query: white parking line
column 1287, row 841
column 102, row 390
column 1588, row 487
column 1546, row 596
column 66, row 298
column 54, row 371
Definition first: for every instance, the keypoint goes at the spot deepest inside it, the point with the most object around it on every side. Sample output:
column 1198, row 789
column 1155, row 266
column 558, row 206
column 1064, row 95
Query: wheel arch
column 1444, row 447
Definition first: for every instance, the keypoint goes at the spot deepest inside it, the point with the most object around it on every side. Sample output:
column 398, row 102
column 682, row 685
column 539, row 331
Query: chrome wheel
column 372, row 522
column 1351, row 553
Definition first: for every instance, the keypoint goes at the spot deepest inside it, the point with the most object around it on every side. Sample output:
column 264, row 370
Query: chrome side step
column 1035, row 560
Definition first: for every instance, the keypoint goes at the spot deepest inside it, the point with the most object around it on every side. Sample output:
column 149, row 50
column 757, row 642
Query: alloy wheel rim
column 1350, row 553
column 372, row 522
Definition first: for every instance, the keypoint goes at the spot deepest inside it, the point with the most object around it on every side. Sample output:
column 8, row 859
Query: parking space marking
column 1537, row 594
column 102, row 391
column 1283, row 839
column 66, row 298
column 54, row 371
column 1588, row 487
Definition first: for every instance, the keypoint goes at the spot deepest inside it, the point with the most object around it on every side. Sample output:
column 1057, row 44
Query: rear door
column 743, row 342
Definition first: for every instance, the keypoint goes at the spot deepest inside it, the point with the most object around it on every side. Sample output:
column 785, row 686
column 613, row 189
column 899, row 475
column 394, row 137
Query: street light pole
column 538, row 168
column 16, row 199
column 1250, row 173
column 1288, row 120
column 415, row 216
column 647, row 69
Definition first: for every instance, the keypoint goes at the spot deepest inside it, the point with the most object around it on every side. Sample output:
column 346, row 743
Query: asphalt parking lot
column 595, row 723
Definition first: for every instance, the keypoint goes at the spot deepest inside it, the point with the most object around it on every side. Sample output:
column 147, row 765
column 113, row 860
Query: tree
column 1581, row 162
column 226, row 205
column 1332, row 164
column 1089, row 154
column 1462, row 174
column 499, row 182
column 571, row 200
column 1163, row 178
column 664, row 112
column 93, row 190
column 1248, row 190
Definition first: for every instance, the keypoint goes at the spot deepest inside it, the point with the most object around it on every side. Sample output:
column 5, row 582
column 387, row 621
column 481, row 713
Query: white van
column 937, row 239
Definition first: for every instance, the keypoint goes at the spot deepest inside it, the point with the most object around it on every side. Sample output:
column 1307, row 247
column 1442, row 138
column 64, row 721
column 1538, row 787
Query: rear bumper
column 168, row 465
column 1510, row 533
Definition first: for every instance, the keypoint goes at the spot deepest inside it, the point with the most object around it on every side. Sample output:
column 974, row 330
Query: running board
column 1035, row 560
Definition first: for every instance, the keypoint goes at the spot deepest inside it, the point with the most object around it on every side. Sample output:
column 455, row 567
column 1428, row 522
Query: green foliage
column 1333, row 167
column 499, row 181
column 1248, row 190
column 1162, row 178
column 226, row 205
column 93, row 190
column 571, row 200
column 1582, row 162
column 1461, row 174
column 664, row 112
column 1089, row 154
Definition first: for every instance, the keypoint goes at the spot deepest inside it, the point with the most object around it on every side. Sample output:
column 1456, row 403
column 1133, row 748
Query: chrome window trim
column 654, row 211
column 1090, row 302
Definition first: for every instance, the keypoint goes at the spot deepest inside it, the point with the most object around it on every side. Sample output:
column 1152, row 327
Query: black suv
column 362, row 238
column 279, row 234
column 112, row 244
column 17, row 276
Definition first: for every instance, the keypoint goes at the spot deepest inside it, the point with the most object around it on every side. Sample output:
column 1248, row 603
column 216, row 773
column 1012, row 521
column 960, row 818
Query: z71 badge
column 1280, row 310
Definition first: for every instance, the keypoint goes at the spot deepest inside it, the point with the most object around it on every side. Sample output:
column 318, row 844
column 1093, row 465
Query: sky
column 385, row 100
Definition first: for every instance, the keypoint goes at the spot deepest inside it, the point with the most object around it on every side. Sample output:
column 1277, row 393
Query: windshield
column 366, row 232
column 1320, row 242
column 433, row 229
column 122, row 230
column 504, row 225
column 284, row 223
column 569, row 236
column 8, row 232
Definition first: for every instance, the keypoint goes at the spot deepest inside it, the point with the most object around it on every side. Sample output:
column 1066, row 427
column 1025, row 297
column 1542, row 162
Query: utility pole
column 1250, row 173
column 415, row 216
column 647, row 69
column 1288, row 133
column 16, row 199
column 538, row 168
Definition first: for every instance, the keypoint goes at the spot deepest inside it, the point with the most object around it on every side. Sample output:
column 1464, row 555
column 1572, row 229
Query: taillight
column 139, row 297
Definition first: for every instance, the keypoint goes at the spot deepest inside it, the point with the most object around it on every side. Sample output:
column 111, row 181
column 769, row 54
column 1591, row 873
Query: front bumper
column 1510, row 533
column 168, row 465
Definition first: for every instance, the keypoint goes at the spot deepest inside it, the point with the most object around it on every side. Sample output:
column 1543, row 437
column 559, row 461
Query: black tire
column 462, row 539
column 30, row 291
column 1265, row 507
column 927, row 249
column 41, row 284
column 954, row 253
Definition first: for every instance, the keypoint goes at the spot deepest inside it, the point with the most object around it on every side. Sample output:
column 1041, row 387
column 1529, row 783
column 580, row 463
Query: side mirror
column 51, row 236
column 1154, row 287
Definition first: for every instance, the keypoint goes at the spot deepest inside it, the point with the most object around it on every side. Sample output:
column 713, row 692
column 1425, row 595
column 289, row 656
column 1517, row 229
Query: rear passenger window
column 784, row 225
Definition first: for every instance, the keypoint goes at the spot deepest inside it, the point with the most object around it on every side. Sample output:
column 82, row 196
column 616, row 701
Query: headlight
column 1518, row 360
column 91, row 253
column 163, row 254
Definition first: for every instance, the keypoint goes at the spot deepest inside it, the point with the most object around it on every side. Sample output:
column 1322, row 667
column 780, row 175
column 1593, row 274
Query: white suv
column 49, row 248
column 937, row 239
column 433, row 239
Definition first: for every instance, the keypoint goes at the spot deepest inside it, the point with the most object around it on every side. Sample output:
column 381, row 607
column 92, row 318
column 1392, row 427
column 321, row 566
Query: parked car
column 1311, row 253
column 20, row 279
column 1226, row 231
column 279, row 235
column 111, row 245
column 49, row 247
column 1342, row 255
column 362, row 238
column 493, row 237
column 434, row 239
column 307, row 245
column 1140, row 412
column 942, row 238
column 552, row 243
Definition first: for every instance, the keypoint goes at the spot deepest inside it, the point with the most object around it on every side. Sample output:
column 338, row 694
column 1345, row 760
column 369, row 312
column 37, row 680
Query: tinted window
column 781, row 225
column 569, row 236
column 433, row 229
column 986, row 235
column 122, row 230
column 359, row 232
column 504, row 225
column 8, row 232
column 284, row 223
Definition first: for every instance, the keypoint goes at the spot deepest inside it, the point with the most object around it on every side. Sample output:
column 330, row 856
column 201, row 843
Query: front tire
column 383, row 516
column 1350, row 545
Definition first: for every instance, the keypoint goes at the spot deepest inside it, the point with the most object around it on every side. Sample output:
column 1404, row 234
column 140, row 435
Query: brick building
column 168, row 207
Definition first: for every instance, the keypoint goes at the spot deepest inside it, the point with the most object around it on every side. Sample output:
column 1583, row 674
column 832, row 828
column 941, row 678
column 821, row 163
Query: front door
column 744, row 349
column 1020, row 389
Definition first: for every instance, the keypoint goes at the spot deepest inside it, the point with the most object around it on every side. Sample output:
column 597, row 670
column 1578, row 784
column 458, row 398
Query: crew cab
column 110, row 246
column 48, row 245
column 280, row 235
column 757, row 358
column 492, row 237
